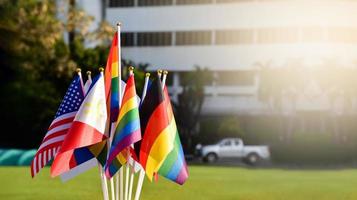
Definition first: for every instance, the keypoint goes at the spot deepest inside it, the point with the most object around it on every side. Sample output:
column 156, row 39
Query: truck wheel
column 252, row 158
column 211, row 158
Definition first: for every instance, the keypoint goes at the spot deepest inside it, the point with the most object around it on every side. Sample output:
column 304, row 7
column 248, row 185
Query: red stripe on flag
column 129, row 91
column 108, row 68
column 61, row 122
column 56, row 134
column 76, row 138
column 72, row 162
column 50, row 146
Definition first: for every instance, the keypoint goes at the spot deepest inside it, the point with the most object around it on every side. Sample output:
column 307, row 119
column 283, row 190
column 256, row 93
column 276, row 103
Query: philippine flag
column 87, row 129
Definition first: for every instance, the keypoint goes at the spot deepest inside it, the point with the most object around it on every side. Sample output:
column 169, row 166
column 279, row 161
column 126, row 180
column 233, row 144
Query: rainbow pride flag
column 174, row 166
column 112, row 80
column 158, row 130
column 127, row 130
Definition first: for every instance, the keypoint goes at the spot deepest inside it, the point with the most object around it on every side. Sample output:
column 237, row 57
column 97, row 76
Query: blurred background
column 271, row 72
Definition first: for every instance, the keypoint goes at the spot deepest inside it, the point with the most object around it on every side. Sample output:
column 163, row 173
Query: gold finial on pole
column 89, row 73
column 165, row 72
column 131, row 70
column 147, row 75
column 78, row 70
column 101, row 69
column 119, row 24
column 159, row 71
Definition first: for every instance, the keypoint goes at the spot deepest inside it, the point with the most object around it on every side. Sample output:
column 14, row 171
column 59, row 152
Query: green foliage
column 312, row 148
column 230, row 127
column 190, row 101
column 36, row 65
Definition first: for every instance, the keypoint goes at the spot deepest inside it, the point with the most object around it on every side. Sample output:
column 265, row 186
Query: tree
column 36, row 65
column 36, row 62
column 230, row 127
column 190, row 101
column 279, row 85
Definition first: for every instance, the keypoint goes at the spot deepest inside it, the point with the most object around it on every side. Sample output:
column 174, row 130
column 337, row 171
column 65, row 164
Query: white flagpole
column 101, row 172
column 120, row 182
column 164, row 79
column 142, row 172
column 147, row 76
column 159, row 73
column 131, row 72
column 89, row 76
column 131, row 181
column 141, row 175
column 140, row 184
column 120, row 95
column 103, row 180
column 79, row 72
column 127, row 181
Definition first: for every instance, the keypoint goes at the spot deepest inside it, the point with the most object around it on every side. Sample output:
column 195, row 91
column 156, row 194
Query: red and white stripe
column 52, row 141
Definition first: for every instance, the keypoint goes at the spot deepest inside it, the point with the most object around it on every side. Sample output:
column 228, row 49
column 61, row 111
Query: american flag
column 57, row 131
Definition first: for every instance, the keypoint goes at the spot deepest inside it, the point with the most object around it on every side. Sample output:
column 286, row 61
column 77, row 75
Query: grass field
column 204, row 183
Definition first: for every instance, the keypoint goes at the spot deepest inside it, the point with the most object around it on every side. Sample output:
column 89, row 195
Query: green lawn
column 204, row 183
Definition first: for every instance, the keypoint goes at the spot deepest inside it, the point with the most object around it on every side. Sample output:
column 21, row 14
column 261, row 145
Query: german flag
column 157, row 139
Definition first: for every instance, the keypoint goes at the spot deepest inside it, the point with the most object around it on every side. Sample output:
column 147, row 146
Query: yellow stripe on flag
column 128, row 105
column 160, row 149
column 115, row 69
column 121, row 158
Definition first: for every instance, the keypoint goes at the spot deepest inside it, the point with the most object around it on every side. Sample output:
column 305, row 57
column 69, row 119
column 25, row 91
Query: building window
column 154, row 2
column 234, row 37
column 121, row 3
column 312, row 34
column 193, row 38
column 343, row 35
column 186, row 2
column 154, row 39
column 277, row 35
column 234, row 78
column 127, row 39
column 233, row 1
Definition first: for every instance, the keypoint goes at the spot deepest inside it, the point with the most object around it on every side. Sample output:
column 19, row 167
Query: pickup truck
column 233, row 148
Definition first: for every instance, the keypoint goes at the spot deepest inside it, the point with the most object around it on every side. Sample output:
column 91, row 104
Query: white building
column 232, row 38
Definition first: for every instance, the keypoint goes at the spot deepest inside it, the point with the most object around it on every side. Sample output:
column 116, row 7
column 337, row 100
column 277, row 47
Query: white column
column 213, row 37
column 256, row 82
column 173, row 38
column 175, row 86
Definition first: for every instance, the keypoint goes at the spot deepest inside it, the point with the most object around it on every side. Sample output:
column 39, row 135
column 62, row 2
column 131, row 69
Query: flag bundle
column 127, row 130
column 92, row 126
